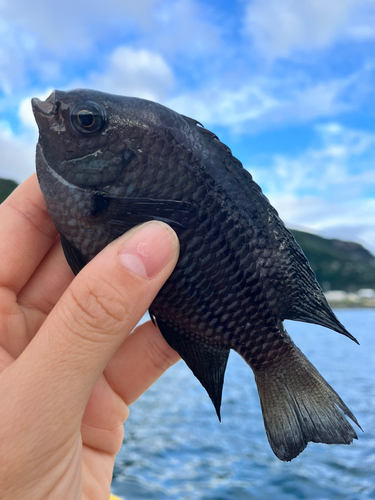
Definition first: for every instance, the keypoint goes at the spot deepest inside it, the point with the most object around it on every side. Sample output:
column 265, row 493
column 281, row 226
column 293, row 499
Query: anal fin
column 73, row 256
column 207, row 361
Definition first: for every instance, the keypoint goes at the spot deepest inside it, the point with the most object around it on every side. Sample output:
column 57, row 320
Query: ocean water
column 175, row 448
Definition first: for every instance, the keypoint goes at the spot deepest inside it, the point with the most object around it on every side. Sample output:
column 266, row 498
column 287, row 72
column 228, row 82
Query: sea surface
column 175, row 448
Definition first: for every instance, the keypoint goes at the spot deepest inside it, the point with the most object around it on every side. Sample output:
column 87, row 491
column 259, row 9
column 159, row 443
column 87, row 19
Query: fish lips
column 45, row 112
column 48, row 114
column 46, row 108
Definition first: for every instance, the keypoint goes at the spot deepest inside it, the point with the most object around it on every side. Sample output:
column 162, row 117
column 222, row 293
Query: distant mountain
column 338, row 265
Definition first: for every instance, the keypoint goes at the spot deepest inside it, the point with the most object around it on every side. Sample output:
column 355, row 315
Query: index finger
column 26, row 234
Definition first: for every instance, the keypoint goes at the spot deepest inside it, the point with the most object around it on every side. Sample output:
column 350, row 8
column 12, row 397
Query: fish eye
column 87, row 117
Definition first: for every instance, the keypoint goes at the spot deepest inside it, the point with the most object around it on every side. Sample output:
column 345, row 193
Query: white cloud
column 329, row 189
column 344, row 159
column 348, row 220
column 43, row 38
column 25, row 112
column 225, row 106
column 17, row 151
column 141, row 73
column 14, row 51
column 73, row 25
column 187, row 26
column 279, row 28
column 39, row 37
column 17, row 154
column 268, row 101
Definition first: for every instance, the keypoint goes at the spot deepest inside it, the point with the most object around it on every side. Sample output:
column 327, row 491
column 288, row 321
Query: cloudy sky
column 289, row 85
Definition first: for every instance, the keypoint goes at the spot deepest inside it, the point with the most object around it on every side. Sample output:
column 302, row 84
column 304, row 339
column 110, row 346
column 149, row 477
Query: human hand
column 68, row 369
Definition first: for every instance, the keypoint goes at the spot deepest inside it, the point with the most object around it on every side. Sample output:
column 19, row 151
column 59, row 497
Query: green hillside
column 338, row 265
column 6, row 187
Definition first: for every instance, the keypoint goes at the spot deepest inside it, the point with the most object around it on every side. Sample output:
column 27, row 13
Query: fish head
column 90, row 137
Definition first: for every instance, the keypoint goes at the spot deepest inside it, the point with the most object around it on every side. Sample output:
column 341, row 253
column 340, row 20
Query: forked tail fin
column 299, row 406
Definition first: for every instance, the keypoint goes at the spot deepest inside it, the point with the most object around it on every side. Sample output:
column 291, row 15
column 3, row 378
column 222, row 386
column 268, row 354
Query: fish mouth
column 47, row 107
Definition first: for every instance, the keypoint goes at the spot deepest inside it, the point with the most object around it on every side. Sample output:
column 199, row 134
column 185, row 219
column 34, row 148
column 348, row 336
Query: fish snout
column 47, row 107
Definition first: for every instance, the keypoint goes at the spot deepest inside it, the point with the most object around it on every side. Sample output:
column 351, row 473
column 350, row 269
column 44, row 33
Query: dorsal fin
column 212, row 136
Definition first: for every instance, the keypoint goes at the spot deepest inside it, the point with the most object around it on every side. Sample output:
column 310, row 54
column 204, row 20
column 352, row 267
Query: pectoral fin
column 115, row 216
column 207, row 361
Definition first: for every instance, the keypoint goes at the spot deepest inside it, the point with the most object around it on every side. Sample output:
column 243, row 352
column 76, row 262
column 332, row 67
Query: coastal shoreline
column 362, row 299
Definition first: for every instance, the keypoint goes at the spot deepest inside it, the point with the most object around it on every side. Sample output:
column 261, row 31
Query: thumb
column 95, row 314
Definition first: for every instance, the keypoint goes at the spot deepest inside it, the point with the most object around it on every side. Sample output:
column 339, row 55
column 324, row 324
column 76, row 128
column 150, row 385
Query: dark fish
column 106, row 163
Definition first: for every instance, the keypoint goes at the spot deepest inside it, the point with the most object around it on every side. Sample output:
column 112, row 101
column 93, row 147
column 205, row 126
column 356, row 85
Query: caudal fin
column 299, row 407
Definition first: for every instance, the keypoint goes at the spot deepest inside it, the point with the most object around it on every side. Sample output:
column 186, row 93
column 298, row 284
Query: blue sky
column 287, row 84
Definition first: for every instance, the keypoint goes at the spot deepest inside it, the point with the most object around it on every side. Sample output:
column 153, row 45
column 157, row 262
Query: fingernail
column 149, row 249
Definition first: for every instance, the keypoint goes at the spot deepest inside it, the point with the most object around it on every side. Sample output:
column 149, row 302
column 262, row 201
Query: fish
column 106, row 163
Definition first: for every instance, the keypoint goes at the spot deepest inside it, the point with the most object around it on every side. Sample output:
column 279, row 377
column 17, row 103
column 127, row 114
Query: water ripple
column 175, row 449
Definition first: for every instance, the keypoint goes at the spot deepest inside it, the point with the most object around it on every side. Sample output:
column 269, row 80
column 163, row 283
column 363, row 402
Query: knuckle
column 98, row 305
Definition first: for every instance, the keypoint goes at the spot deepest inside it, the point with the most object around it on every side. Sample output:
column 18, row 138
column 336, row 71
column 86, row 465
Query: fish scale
column 240, row 271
